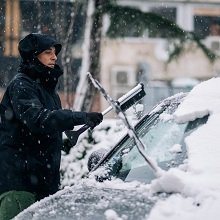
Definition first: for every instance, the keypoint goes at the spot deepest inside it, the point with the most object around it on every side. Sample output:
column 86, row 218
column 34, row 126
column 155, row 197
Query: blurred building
column 127, row 61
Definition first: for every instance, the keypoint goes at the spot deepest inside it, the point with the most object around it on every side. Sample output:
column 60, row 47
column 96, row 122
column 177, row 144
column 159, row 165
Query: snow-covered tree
column 85, row 93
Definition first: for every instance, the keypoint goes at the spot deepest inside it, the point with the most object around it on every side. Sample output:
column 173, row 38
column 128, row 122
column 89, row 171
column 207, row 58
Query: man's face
column 48, row 57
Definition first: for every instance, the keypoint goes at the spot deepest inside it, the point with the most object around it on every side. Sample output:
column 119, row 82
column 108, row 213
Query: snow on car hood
column 199, row 188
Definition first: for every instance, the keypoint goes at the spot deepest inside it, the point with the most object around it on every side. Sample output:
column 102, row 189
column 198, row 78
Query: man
column 31, row 127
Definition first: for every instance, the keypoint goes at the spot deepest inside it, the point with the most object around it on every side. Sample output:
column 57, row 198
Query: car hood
column 89, row 203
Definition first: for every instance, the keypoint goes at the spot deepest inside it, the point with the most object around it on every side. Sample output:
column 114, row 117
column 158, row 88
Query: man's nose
column 54, row 57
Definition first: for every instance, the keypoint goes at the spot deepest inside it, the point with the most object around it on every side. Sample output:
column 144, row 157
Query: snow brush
column 125, row 102
column 131, row 131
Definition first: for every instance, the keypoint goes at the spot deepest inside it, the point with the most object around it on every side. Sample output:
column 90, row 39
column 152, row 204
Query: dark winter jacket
column 31, row 128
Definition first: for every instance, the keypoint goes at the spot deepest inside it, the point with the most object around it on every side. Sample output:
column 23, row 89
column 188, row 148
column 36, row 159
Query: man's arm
column 30, row 111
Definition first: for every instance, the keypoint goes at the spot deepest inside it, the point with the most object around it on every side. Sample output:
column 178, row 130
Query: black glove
column 93, row 119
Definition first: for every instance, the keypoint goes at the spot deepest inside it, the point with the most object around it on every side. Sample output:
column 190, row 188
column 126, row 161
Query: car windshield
column 164, row 141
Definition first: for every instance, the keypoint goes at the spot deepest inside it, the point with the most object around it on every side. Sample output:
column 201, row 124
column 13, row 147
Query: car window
column 164, row 141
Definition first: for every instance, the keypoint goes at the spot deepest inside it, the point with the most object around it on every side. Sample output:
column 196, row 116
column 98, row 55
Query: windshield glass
column 164, row 141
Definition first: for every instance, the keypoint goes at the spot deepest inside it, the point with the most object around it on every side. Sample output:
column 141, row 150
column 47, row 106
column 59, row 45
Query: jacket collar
column 46, row 76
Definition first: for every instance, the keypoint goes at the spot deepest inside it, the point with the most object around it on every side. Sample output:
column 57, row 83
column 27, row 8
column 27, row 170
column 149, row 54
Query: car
column 181, row 140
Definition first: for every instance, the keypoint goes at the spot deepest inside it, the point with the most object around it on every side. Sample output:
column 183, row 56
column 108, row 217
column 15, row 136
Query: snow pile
column 202, row 100
column 111, row 215
column 187, row 208
column 176, row 148
column 197, row 190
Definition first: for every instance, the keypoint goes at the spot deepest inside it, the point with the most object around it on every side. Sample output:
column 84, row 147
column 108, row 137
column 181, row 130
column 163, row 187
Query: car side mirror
column 95, row 157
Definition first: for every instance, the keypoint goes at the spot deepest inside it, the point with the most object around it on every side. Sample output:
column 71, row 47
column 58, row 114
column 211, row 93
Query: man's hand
column 93, row 119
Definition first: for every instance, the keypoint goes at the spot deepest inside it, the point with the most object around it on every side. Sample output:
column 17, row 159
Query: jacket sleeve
column 28, row 109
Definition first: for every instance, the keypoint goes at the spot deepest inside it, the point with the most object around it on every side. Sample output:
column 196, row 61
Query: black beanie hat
column 34, row 44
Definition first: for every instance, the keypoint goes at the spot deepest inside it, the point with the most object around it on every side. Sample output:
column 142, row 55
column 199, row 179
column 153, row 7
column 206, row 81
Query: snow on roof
column 202, row 100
